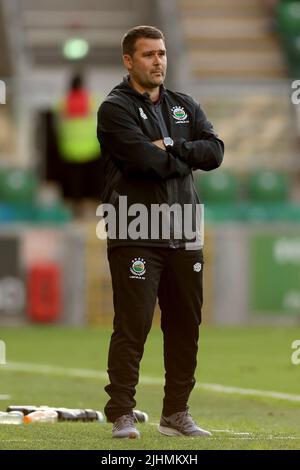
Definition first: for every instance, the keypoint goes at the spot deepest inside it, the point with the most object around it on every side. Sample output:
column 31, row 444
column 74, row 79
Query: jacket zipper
column 172, row 189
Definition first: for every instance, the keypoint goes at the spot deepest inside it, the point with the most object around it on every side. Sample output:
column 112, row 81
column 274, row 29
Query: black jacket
column 133, row 166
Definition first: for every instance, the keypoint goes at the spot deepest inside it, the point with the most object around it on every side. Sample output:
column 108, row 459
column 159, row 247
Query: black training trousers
column 139, row 276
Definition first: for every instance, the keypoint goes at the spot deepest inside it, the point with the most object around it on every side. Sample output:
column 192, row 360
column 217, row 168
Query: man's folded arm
column 134, row 152
column 206, row 150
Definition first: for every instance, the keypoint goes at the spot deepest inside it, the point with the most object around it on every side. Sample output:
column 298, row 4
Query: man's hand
column 160, row 144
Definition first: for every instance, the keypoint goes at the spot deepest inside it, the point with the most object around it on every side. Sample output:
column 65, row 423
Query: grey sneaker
column 181, row 424
column 124, row 427
column 140, row 416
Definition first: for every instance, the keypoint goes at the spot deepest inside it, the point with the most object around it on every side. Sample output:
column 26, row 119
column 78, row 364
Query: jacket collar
column 144, row 96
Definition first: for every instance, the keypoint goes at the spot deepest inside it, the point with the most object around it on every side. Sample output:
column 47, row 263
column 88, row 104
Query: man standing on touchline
column 151, row 140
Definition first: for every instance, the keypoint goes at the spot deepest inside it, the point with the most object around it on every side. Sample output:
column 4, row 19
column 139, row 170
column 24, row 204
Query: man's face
column 148, row 64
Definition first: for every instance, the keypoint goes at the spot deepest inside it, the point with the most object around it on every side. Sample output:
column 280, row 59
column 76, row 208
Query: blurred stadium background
column 239, row 59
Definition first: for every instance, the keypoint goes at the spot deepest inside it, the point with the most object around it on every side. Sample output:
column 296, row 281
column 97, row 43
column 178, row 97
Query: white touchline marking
column 146, row 380
column 260, row 437
column 235, row 435
column 231, row 431
column 54, row 370
column 5, row 397
column 249, row 391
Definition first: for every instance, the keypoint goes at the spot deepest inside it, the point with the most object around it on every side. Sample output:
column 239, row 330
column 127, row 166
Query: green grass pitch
column 248, row 358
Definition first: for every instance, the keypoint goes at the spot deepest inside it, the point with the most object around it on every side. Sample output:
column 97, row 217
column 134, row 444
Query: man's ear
column 127, row 60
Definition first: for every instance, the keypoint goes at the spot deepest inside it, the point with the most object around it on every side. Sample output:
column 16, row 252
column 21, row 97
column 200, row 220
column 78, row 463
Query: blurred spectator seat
column 288, row 18
column 268, row 192
column 53, row 214
column 218, row 191
column 267, row 186
column 216, row 187
column 19, row 201
column 18, row 186
column 267, row 197
column 288, row 13
column 6, row 213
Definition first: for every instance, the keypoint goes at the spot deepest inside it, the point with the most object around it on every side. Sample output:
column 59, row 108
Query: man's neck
column 152, row 92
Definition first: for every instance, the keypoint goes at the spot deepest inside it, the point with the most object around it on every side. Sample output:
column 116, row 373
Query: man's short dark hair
column 130, row 38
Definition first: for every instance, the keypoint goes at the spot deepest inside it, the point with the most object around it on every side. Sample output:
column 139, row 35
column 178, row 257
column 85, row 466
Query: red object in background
column 44, row 293
column 77, row 104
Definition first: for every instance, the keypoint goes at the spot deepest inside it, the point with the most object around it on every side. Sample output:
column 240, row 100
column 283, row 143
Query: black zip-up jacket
column 135, row 167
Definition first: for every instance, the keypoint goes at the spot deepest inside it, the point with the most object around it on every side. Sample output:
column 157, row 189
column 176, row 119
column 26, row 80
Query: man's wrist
column 159, row 144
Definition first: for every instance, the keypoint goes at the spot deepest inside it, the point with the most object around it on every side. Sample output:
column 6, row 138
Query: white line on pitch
column 5, row 397
column 146, row 380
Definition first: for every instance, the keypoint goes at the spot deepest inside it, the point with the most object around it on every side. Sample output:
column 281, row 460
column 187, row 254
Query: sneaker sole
column 173, row 432
column 169, row 431
column 132, row 435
